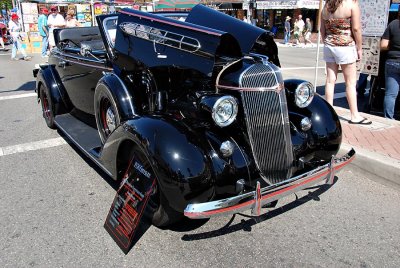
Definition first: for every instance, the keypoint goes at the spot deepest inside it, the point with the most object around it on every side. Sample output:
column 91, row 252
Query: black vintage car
column 198, row 101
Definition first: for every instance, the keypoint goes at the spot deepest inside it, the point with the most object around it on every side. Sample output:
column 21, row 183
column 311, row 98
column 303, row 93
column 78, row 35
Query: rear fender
column 48, row 76
column 177, row 154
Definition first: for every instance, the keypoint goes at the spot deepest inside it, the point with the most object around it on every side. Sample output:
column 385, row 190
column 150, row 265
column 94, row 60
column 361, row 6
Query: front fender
column 178, row 155
column 325, row 136
column 121, row 95
column 48, row 76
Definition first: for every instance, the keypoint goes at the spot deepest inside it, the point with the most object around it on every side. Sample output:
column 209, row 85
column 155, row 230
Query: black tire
column 163, row 215
column 47, row 106
column 158, row 210
column 106, row 112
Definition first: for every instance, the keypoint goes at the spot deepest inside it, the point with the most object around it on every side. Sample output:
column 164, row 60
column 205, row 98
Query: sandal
column 364, row 121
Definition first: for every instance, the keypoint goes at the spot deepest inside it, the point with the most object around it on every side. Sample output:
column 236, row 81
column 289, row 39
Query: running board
column 83, row 136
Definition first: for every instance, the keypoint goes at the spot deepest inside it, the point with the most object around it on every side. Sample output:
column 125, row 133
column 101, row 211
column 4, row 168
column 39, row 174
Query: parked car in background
column 196, row 100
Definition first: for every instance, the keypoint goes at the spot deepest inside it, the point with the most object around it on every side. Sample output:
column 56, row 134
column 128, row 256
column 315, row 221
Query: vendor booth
column 85, row 13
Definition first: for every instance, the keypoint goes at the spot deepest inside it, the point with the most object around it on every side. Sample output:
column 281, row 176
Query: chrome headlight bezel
column 304, row 94
column 233, row 111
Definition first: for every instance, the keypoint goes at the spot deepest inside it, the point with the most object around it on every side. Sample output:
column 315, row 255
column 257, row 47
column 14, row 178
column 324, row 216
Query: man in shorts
column 55, row 20
column 307, row 32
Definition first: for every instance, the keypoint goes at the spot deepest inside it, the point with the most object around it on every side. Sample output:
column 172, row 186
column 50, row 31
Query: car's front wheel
column 47, row 106
column 158, row 210
column 106, row 112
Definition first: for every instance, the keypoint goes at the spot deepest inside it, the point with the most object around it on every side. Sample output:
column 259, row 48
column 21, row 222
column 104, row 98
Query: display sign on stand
column 370, row 58
column 374, row 16
column 125, row 216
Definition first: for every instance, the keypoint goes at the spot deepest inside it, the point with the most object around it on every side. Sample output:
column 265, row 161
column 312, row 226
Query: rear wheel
column 47, row 106
column 107, row 116
column 158, row 210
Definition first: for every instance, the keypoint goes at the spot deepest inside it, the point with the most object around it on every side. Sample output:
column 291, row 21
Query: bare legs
column 1, row 41
column 331, row 76
column 350, row 78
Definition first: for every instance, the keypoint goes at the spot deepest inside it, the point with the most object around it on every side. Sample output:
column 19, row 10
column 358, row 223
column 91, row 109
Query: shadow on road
column 362, row 101
column 246, row 225
column 28, row 86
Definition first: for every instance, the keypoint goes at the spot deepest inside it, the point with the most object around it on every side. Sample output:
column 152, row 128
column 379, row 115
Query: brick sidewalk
column 382, row 136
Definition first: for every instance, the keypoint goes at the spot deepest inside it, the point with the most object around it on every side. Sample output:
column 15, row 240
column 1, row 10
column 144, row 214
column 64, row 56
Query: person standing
column 296, row 32
column 307, row 32
column 70, row 21
column 55, row 20
column 15, row 31
column 300, row 25
column 341, row 32
column 287, row 30
column 2, row 26
column 44, row 31
column 391, row 42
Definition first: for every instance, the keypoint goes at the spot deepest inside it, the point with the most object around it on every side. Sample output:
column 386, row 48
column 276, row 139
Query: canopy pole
column 92, row 11
column 318, row 44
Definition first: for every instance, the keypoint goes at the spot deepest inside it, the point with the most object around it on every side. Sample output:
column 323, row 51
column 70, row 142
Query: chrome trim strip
column 77, row 60
column 275, row 88
column 170, row 23
column 268, row 194
column 159, row 36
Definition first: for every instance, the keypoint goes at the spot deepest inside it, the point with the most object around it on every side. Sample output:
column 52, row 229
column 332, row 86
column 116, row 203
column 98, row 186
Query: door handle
column 62, row 64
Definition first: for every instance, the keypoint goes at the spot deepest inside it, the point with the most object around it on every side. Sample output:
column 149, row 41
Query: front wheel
column 47, row 106
column 158, row 210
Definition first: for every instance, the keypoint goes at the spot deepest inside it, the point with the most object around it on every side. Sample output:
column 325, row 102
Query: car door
column 80, row 74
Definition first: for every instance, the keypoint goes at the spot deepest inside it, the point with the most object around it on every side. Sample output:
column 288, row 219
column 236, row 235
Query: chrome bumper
column 256, row 199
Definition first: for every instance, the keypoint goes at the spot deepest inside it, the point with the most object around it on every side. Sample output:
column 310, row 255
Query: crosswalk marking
column 18, row 96
column 31, row 146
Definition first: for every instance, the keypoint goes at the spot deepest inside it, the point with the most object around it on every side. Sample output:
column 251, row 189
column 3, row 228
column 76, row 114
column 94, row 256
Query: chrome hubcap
column 110, row 119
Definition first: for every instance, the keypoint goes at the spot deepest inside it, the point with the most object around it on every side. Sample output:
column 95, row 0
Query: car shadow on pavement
column 114, row 184
column 28, row 86
column 246, row 225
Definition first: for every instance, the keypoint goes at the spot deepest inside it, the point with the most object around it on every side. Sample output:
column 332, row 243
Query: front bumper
column 256, row 199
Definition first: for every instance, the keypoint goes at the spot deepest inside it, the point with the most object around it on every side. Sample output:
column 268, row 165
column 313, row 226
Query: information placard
column 129, row 204
column 374, row 17
column 370, row 57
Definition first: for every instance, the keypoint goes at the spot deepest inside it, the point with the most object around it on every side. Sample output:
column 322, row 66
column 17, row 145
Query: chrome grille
column 267, row 121
column 261, row 76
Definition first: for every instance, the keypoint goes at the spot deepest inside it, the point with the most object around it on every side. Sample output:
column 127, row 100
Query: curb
column 379, row 168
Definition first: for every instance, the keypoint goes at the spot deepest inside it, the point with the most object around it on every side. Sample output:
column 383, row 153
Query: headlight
column 224, row 111
column 304, row 94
